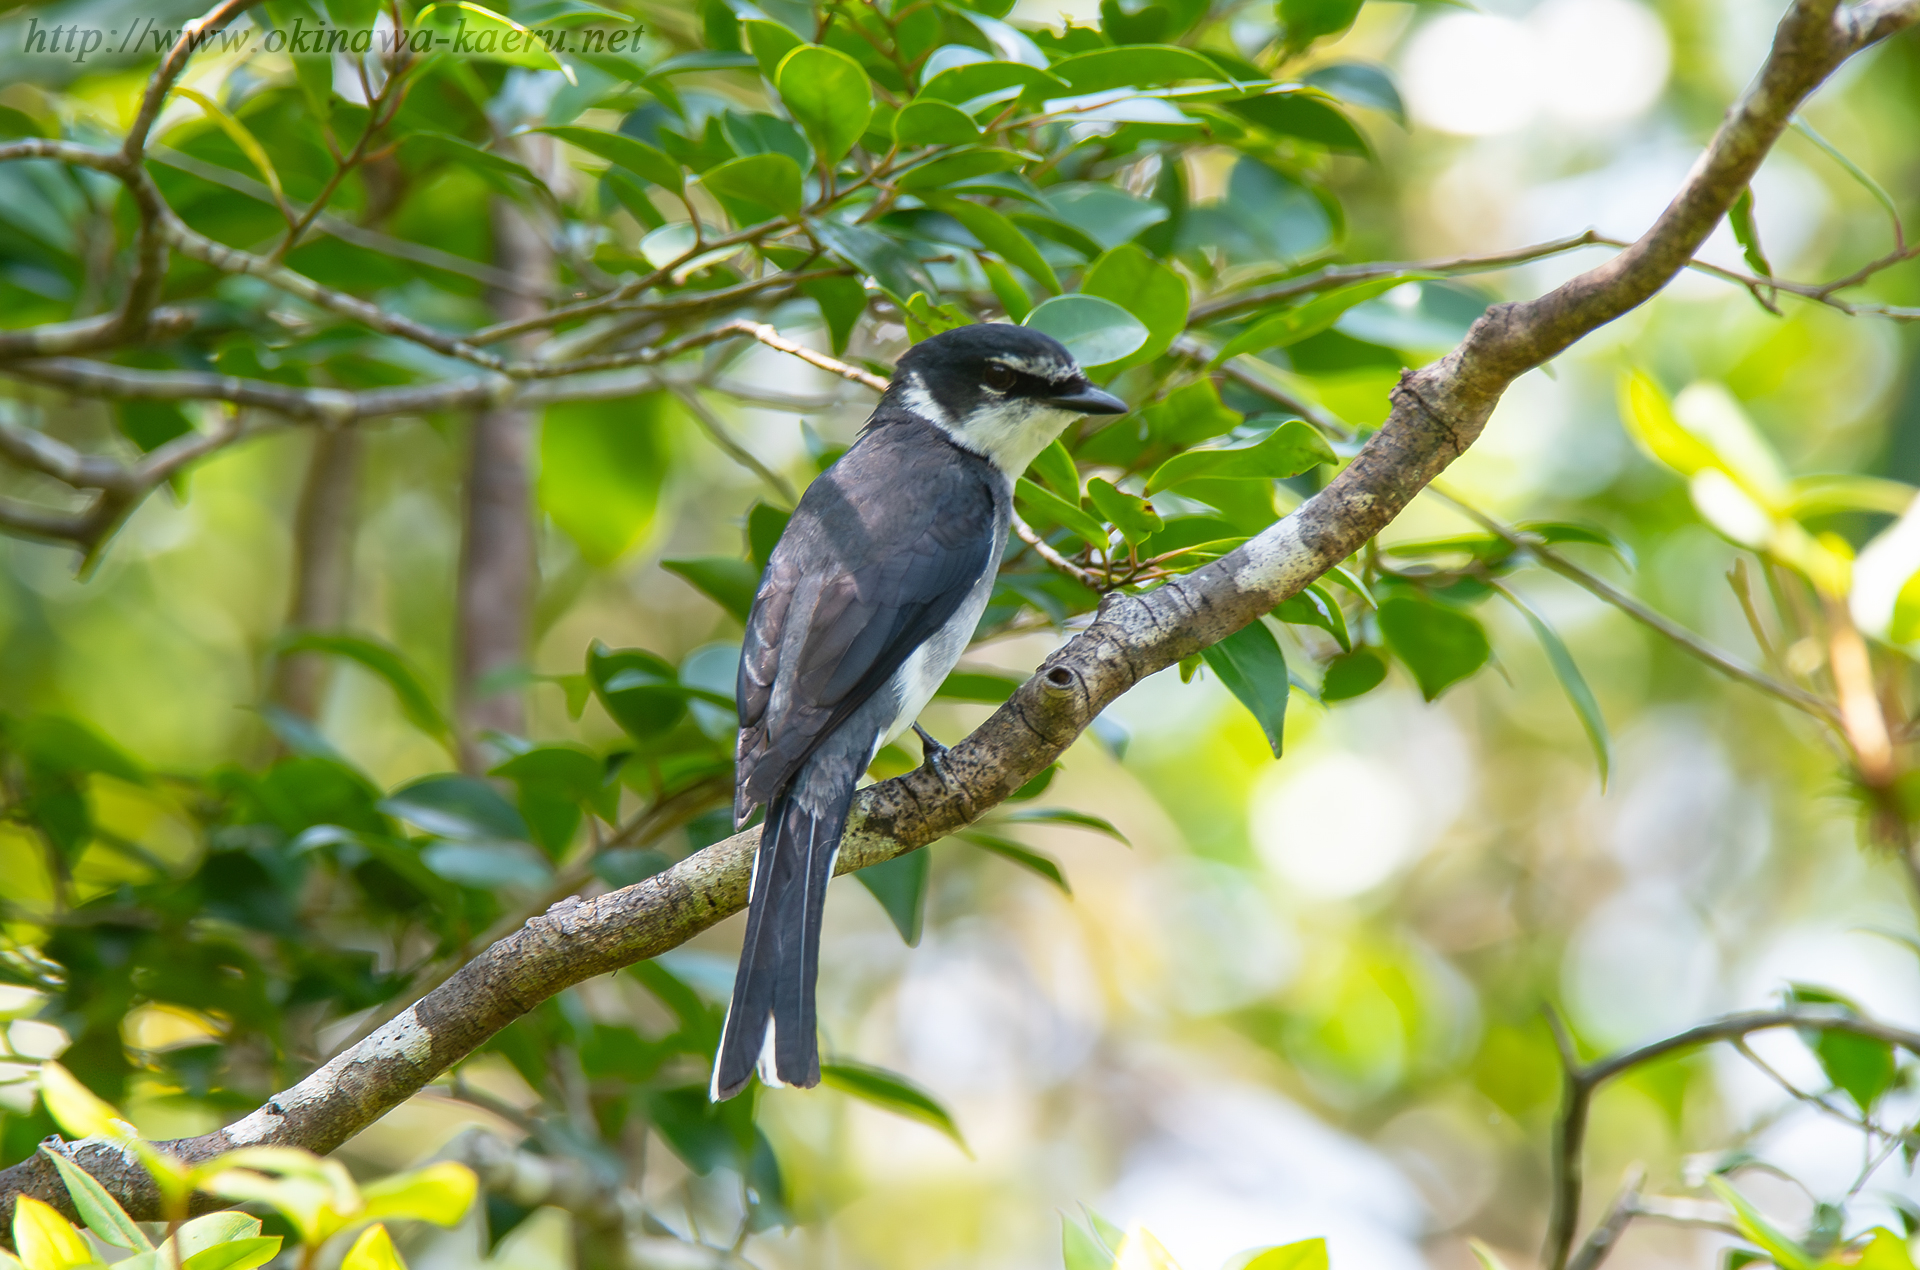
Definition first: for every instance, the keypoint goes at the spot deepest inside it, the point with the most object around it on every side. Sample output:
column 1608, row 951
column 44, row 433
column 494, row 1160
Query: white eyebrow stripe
column 1041, row 367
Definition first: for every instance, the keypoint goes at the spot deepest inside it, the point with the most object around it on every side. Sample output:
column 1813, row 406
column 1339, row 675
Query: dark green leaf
column 893, row 1092
column 842, row 301
column 1152, row 291
column 771, row 180
column 1861, row 1066
column 1251, row 665
column 1313, row 606
column 1132, row 66
column 1107, row 215
column 641, row 691
column 1572, row 682
column 634, row 155
column 897, row 270
column 997, row 233
column 829, row 96
column 976, row 685
column 1361, row 83
column 1061, row 816
column 1309, row 20
column 900, row 884
column 962, row 165
column 1056, row 467
column 1352, row 674
column 1292, row 448
column 1050, row 509
column 1306, row 115
column 729, row 582
column 1292, row 325
column 383, row 660
column 452, row 806
column 765, row 524
column 1132, row 515
column 1440, row 645
column 1025, row 857
column 934, row 123
column 976, row 79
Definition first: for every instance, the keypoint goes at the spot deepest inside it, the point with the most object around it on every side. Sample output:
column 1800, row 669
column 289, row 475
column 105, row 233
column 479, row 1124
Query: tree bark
column 323, row 530
column 494, row 602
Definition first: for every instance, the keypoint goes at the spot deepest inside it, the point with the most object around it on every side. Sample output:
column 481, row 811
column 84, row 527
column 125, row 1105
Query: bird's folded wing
column 878, row 556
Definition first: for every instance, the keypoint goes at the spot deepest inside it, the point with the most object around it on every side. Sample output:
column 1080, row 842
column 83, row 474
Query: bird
column 867, row 601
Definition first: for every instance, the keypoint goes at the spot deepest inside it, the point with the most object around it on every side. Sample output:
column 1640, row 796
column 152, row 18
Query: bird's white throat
column 1008, row 432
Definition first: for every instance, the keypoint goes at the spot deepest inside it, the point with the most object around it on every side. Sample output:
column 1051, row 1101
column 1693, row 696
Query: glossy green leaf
column 962, row 165
column 236, row 1254
column 1147, row 288
column 451, row 806
column 1249, row 662
column 383, row 660
column 772, row 180
column 1013, row 297
column 634, row 155
column 900, row 885
column 1106, row 215
column 1747, row 233
column 1292, row 448
column 1362, row 84
column 1292, row 325
column 884, row 259
column 641, row 691
column 842, row 302
column 1314, row 606
column 958, row 84
column 1050, row 509
column 1027, row 858
column 1305, row 115
column 770, row 43
column 978, row 685
column 1190, row 415
column 440, row 1193
column 602, row 467
column 730, row 583
column 1574, row 684
column 97, row 1208
column 1308, row 1254
column 1786, row 1252
column 1056, row 467
column 893, row 1092
column 1132, row 515
column 934, row 123
column 997, row 233
column 829, row 96
column 1440, row 645
column 1352, row 675
column 1095, row 331
column 1134, row 65
column 1062, row 816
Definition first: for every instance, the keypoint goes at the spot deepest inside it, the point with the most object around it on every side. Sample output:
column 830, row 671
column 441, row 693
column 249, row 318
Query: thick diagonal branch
column 1437, row 413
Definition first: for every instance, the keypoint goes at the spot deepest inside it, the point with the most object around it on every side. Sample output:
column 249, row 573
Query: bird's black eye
column 998, row 377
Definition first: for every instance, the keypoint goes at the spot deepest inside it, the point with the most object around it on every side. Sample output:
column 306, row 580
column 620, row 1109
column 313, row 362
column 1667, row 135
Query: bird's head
column 1001, row 391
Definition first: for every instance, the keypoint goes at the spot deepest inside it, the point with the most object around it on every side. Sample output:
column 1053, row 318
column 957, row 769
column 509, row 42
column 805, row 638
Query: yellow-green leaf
column 1050, row 508
column 247, row 143
column 1292, row 448
column 1132, row 515
column 373, row 1250
column 44, row 1239
column 74, row 1107
column 97, row 1208
column 1290, row 326
column 1141, row 1251
column 1308, row 1254
column 889, row 1091
column 440, row 1193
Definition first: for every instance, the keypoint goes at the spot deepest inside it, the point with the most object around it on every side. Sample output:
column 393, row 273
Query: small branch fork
column 1437, row 412
column 1582, row 1080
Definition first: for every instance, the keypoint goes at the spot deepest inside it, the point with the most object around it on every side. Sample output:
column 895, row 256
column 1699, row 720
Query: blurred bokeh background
column 1308, row 998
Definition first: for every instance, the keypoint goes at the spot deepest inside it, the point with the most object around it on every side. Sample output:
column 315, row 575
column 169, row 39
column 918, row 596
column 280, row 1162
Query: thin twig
column 1085, row 577
column 725, row 440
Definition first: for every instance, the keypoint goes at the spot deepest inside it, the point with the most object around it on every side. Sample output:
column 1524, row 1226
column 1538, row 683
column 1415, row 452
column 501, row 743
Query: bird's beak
column 1090, row 401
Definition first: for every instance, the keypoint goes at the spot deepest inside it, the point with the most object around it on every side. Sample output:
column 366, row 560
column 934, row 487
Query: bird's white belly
column 927, row 667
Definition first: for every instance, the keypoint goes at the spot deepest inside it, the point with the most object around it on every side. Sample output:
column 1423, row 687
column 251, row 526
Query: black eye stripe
column 1017, row 383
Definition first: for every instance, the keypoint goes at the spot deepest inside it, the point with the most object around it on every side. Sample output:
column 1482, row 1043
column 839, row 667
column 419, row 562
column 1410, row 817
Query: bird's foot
column 935, row 755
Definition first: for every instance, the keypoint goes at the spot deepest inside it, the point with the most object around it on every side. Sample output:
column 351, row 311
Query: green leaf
column 997, row 233
column 1292, row 448
column 1362, row 84
column 770, row 180
column 829, row 96
column 1863, row 1067
column 1095, row 331
column 238, row 1254
column 769, row 42
column 962, row 165
column 453, row 806
column 1056, row 467
column 1290, row 326
column 1107, row 215
column 1150, row 290
column 635, row 156
column 1025, row 857
column 641, row 691
column 512, row 43
column 842, row 301
column 602, row 467
column 440, row 1193
column 1786, row 1253
column 383, row 660
column 1134, row 65
column 1062, row 816
column 1352, row 675
column 897, row 270
column 1307, row 115
column 976, row 79
column 1251, row 665
column 974, row 685
column 373, row 1250
column 893, row 1092
column 1189, row 416
column 1308, row 1254
column 934, row 123
column 729, row 582
column 97, row 1208
column 765, row 524
column 1440, row 645
column 1007, row 289
column 1051, row 509
column 1309, row 20
column 503, row 174
column 1081, row 1251
column 1747, row 234
column 58, row 743
column 1132, row 515
column 1313, row 606
column 1574, row 684
column 900, row 884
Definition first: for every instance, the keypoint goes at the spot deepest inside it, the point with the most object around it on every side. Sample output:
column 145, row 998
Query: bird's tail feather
column 770, row 1022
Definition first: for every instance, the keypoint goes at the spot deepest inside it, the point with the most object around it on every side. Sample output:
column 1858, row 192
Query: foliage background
column 1307, row 1000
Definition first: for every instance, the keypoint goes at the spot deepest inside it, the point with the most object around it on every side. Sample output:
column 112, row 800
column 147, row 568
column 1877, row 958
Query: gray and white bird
column 870, row 597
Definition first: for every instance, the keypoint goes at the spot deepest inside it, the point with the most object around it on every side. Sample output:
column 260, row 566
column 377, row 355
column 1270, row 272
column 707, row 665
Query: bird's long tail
column 770, row 1023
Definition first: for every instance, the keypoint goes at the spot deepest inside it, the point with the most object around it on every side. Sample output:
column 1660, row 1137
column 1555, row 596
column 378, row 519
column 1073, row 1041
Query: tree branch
column 1437, row 413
